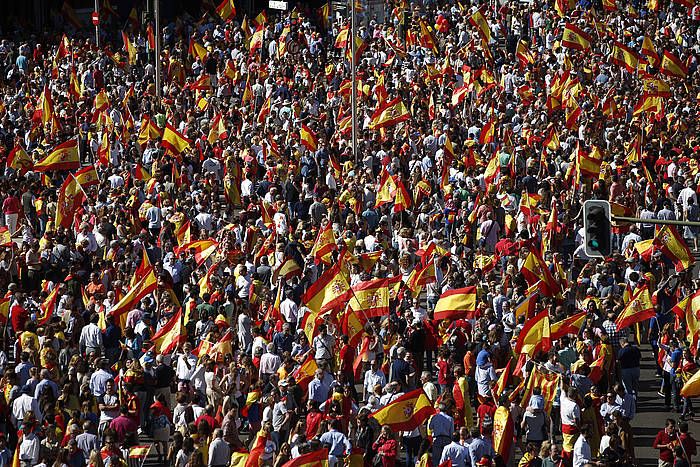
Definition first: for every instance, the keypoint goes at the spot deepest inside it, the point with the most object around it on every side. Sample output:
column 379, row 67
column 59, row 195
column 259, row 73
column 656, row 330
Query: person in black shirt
column 164, row 376
column 629, row 357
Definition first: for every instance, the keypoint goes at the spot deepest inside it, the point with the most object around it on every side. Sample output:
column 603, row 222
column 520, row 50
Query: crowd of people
column 214, row 273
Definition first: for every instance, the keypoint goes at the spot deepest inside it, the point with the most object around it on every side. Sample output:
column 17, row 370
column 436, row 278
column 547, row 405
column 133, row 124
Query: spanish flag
column 389, row 114
column 264, row 112
column 47, row 307
column 217, row 130
column 227, row 10
column 74, row 85
column 258, row 449
column 687, row 310
column 169, row 336
column 609, row 5
column 456, row 304
column 288, row 269
column 421, row 276
column 63, row 157
column 173, row 140
column 18, row 159
column 405, row 413
column 573, row 112
column 5, row 236
column 426, row 37
column 459, row 94
column 305, row 373
column 647, row 103
column 329, row 291
column 202, row 249
column 148, row 131
column 624, row 56
column 575, row 38
column 526, row 307
column 318, row 458
column 87, row 176
column 387, row 189
column 639, row 308
column 402, row 200
column 649, row 51
column 672, row 246
column 70, row 196
column 140, row 173
column 523, row 53
column 478, row 20
column 139, row 452
column 551, row 142
column 325, row 245
column 535, row 335
column 129, row 48
column 486, row 134
column 570, row 325
column 673, row 66
column 197, row 50
column 534, row 269
column 493, row 169
column 143, row 287
column 308, row 138
column 370, row 298
column 588, row 164
column 503, row 430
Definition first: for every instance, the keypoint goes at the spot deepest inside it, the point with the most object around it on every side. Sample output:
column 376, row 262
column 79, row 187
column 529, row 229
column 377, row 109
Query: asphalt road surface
column 651, row 414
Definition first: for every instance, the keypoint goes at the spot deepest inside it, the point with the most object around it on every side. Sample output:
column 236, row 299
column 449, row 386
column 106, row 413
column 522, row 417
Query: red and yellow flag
column 456, row 304
column 87, row 176
column 478, row 20
column 173, row 140
column 227, row 10
column 169, row 336
column 673, row 66
column 4, row 309
column 329, row 291
column 570, row 325
column 575, row 38
column 148, row 131
column 70, row 196
column 18, row 159
column 535, row 335
column 389, row 114
column 143, row 287
column 625, row 57
column 370, row 298
column 217, row 130
column 672, row 246
column 402, row 200
column 503, row 430
column 129, row 48
column 639, row 308
column 387, row 189
column 325, row 245
column 534, row 269
column 317, row 458
column 308, row 138
column 405, row 413
column 63, row 157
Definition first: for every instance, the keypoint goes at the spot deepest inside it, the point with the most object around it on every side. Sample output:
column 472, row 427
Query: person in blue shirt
column 442, row 427
column 457, row 454
column 338, row 444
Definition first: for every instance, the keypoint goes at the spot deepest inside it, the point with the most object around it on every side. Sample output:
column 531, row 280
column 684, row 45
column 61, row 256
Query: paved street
column 651, row 414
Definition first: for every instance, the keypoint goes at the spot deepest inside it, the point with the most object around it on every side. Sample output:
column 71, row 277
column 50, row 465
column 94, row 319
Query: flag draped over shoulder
column 405, row 413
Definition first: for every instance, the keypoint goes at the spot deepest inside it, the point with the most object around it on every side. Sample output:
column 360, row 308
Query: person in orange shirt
column 95, row 286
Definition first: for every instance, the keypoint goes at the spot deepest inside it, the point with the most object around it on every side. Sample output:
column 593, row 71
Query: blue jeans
column 630, row 379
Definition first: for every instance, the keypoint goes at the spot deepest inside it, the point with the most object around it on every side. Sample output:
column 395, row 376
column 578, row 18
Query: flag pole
column 353, row 77
column 97, row 24
column 157, row 34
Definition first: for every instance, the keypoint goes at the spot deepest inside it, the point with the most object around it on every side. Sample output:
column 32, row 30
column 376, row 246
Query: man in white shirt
column 91, row 337
column 570, row 417
column 373, row 376
column 269, row 363
column 289, row 309
column 99, row 379
column 186, row 366
column 582, row 449
column 24, row 403
column 219, row 450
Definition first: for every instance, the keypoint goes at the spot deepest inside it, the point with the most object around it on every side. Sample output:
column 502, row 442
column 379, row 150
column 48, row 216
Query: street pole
column 637, row 220
column 157, row 34
column 353, row 79
column 97, row 24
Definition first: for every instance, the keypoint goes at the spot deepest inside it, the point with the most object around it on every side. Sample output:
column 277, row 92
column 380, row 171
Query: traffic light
column 596, row 226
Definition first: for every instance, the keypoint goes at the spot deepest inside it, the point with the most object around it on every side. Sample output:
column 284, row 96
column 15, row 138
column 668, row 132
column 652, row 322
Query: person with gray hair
column 219, row 450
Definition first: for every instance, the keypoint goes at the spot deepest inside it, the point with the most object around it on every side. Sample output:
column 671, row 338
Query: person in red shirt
column 123, row 425
column 208, row 416
column 666, row 440
column 347, row 360
column 486, row 409
column 386, row 447
column 18, row 314
column 313, row 419
column 688, row 442
column 11, row 208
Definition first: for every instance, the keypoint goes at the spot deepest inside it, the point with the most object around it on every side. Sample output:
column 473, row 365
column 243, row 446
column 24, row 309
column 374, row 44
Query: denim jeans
column 630, row 379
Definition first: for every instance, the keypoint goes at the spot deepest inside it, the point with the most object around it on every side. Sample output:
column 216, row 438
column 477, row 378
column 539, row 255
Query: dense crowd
column 218, row 277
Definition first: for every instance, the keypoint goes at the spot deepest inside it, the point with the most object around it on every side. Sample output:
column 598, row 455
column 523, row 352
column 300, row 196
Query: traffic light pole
column 637, row 220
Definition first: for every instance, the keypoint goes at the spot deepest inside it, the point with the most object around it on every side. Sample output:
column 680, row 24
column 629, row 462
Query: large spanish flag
column 405, row 413
column 421, row 276
column 570, row 325
column 671, row 244
column 325, row 245
column 148, row 131
column 575, row 38
column 503, row 430
column 174, row 140
column 202, row 249
column 330, row 290
column 387, row 189
column 63, row 157
column 370, row 298
column 318, row 458
column 478, row 20
column 170, row 336
column 87, row 176
column 639, row 308
column 624, row 56
column 389, row 114
column 535, row 335
column 70, row 196
column 456, row 304
column 673, row 66
column 687, row 310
